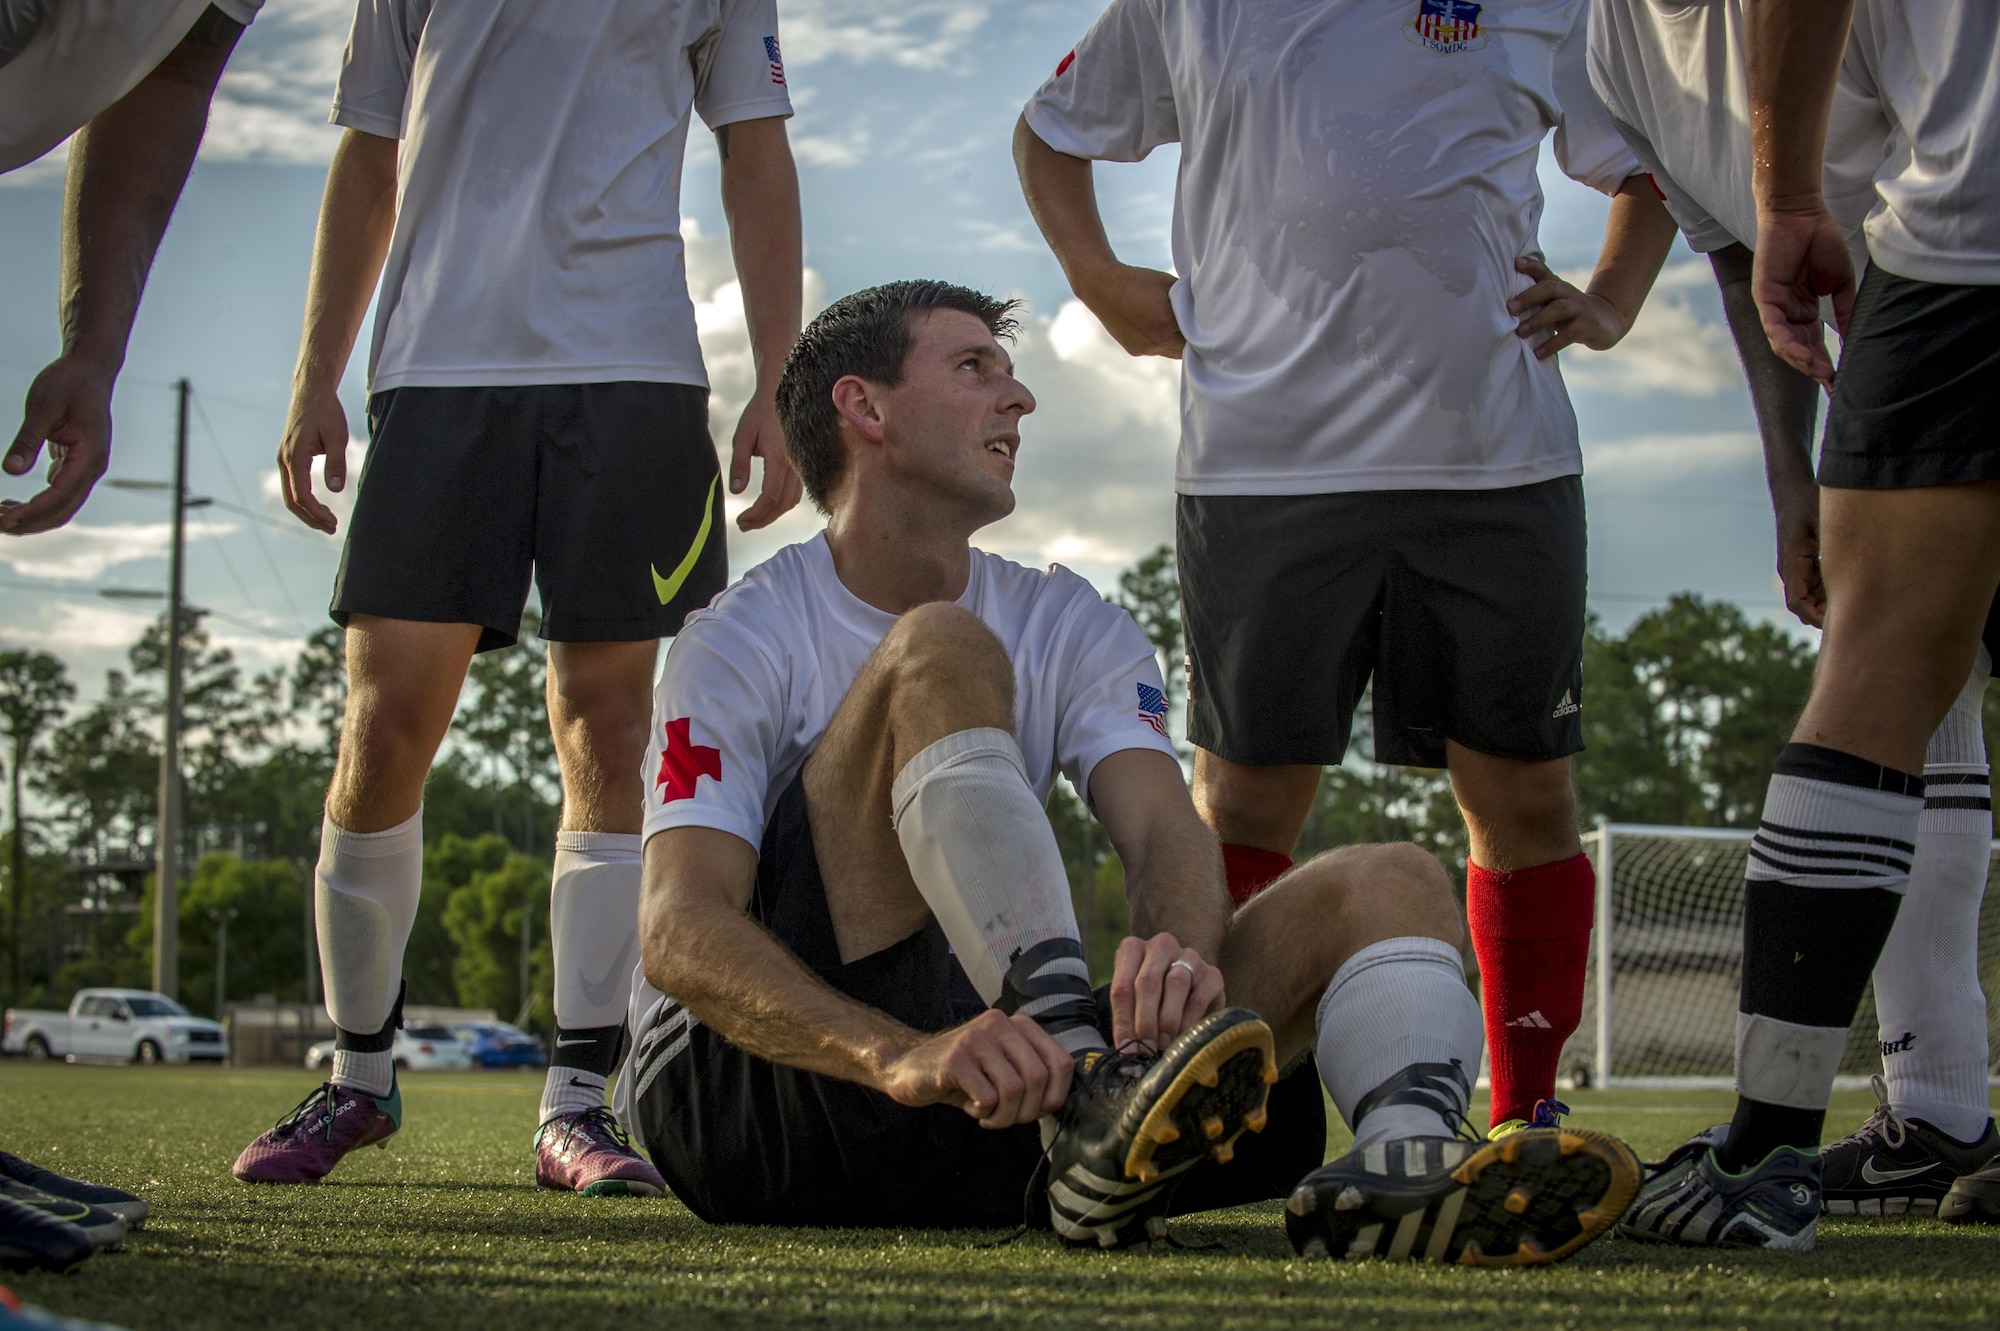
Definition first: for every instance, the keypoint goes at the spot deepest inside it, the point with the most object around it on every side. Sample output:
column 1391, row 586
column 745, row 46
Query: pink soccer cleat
column 589, row 1152
column 308, row 1142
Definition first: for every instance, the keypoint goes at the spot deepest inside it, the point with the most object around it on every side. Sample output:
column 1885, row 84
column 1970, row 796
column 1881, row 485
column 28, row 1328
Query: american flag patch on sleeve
column 1153, row 708
column 777, row 61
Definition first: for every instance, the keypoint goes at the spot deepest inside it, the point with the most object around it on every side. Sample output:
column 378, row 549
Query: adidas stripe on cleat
column 1135, row 1123
column 1533, row 1197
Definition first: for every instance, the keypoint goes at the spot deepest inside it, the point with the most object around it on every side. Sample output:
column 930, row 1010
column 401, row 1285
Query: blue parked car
column 498, row 1044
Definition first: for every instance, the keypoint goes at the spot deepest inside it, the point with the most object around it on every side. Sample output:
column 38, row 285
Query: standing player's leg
column 1357, row 955
column 1256, row 813
column 1933, row 1123
column 403, row 680
column 599, row 699
column 1910, row 574
column 1530, row 895
column 628, row 542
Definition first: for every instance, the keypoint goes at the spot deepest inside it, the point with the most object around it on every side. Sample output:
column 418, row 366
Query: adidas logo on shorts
column 1567, row 707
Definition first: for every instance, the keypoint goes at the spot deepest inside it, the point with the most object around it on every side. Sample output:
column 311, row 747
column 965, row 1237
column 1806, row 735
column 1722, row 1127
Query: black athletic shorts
column 608, row 494
column 1917, row 399
column 745, row 1141
column 1466, row 607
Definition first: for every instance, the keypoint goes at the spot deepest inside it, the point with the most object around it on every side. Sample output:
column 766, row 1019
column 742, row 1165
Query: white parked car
column 115, row 1026
column 417, row 1049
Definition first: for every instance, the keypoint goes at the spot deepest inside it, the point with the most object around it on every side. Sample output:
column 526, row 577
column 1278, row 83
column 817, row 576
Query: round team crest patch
column 1446, row 26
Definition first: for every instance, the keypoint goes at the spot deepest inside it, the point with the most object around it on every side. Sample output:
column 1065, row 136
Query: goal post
column 1666, row 963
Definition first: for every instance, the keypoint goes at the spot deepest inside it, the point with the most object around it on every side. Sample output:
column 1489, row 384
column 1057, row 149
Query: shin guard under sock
column 366, row 1060
column 1393, row 1006
column 1531, row 931
column 981, row 851
column 1828, row 867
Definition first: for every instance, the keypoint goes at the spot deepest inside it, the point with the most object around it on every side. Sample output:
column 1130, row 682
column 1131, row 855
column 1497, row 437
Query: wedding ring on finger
column 1185, row 965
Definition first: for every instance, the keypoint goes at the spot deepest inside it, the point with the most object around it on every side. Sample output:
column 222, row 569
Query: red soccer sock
column 1250, row 870
column 1531, row 929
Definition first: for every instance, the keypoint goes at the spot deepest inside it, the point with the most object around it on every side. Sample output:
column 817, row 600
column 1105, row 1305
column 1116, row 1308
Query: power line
column 264, row 545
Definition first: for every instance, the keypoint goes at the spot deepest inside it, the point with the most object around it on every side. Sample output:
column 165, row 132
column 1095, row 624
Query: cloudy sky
column 904, row 116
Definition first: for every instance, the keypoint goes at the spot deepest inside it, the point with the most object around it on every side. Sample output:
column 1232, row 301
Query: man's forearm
column 735, row 977
column 1173, row 882
column 357, row 216
column 1062, row 198
column 1637, row 237
column 1795, row 48
column 760, row 197
column 1786, row 403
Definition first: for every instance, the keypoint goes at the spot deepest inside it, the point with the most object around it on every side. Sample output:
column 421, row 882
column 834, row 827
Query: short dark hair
column 867, row 334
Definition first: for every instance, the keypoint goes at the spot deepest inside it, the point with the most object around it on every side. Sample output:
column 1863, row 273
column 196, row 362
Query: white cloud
column 82, row 628
column 1671, row 348
column 911, row 34
column 81, row 551
column 1663, row 457
column 828, row 150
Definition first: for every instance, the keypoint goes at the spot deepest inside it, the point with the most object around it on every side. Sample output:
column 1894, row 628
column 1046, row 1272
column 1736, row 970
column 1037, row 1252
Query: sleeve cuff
column 720, row 820
column 763, row 108
column 368, row 122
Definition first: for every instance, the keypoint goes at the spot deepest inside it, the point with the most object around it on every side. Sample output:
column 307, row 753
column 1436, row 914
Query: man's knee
column 1519, row 794
column 941, row 652
column 1386, row 891
column 600, row 693
column 1252, row 805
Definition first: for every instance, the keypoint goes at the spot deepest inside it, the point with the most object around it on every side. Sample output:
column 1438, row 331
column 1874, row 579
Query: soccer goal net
column 1666, row 963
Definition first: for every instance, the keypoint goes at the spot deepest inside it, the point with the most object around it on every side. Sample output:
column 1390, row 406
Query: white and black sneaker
column 1688, row 1198
column 1137, row 1121
column 1893, row 1165
column 1533, row 1197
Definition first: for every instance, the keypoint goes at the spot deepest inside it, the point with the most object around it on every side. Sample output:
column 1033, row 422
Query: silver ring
column 1185, row 965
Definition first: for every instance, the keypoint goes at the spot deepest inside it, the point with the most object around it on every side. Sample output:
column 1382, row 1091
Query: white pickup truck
column 115, row 1026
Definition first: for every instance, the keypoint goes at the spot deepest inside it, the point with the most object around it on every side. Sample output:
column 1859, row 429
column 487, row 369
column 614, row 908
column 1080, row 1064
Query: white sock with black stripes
column 1394, row 1010
column 983, row 855
column 1828, row 868
column 1927, row 993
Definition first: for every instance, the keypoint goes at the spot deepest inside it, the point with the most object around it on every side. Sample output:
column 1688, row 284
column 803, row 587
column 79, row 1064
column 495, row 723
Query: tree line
column 1683, row 713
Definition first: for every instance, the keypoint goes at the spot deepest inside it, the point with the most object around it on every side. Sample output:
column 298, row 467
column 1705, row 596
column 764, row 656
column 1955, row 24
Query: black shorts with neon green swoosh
column 608, row 495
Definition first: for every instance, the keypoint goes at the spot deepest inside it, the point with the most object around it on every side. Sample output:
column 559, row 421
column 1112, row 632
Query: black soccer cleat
column 1690, row 1199
column 1134, row 1123
column 32, row 1239
column 1974, row 1199
column 1893, row 1165
column 1533, row 1197
column 133, row 1210
column 105, row 1230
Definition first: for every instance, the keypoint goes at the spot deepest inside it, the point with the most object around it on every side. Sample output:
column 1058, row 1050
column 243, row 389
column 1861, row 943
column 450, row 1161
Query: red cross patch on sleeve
column 684, row 762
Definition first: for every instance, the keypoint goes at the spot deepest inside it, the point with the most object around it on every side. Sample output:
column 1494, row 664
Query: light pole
column 167, row 848
column 222, row 917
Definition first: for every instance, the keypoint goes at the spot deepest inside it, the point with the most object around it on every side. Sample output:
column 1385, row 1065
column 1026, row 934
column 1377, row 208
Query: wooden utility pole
column 166, row 882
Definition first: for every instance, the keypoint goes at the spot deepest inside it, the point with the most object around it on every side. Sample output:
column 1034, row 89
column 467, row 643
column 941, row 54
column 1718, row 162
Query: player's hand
column 1797, row 510
column 1132, row 305
column 69, row 408
column 759, row 436
column 1159, row 989
column 316, row 426
column 1001, row 1070
column 1571, row 317
column 1801, row 256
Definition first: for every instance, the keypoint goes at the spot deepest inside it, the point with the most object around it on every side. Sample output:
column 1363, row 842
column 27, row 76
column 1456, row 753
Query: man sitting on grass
column 865, row 977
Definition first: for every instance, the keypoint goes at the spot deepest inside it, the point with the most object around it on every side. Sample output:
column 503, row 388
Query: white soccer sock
column 364, row 901
column 1927, row 994
column 371, row 1070
column 1396, row 1003
column 594, row 936
column 983, row 855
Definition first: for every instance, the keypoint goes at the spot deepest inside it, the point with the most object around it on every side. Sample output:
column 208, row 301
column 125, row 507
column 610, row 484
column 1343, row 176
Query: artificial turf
column 445, row 1228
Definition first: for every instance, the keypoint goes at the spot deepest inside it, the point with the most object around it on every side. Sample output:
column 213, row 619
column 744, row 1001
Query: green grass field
column 446, row 1229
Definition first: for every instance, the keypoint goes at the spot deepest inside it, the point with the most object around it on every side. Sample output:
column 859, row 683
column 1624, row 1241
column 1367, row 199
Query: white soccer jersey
column 752, row 681
column 538, row 224
column 1673, row 78
column 1357, row 179
column 85, row 55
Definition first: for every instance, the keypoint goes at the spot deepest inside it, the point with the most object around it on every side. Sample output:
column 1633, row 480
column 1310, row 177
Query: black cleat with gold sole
column 1136, row 1122
column 1533, row 1197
